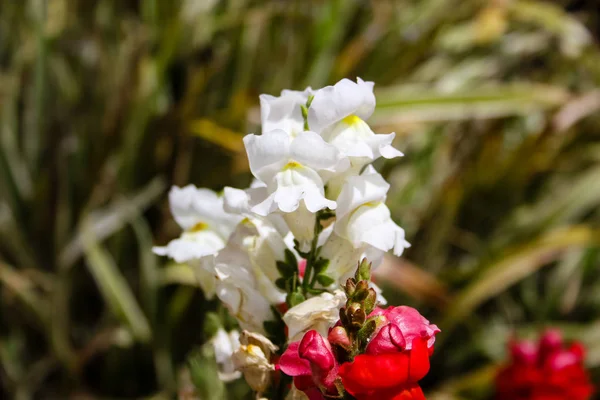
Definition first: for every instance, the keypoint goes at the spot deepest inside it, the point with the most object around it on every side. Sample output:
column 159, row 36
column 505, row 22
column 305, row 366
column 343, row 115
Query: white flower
column 246, row 271
column 253, row 359
column 338, row 113
column 206, row 226
column 283, row 112
column 355, row 139
column 293, row 169
column 332, row 104
column 225, row 344
column 363, row 217
column 319, row 313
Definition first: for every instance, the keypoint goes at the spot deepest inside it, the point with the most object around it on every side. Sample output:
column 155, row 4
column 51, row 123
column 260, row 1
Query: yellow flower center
column 292, row 165
column 200, row 226
column 352, row 120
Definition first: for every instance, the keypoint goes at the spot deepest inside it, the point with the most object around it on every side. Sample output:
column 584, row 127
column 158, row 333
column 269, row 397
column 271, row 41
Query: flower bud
column 339, row 337
column 389, row 339
column 356, row 315
column 370, row 301
column 315, row 349
column 350, row 287
column 361, row 292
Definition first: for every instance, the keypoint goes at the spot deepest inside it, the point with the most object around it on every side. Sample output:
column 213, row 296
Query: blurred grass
column 105, row 103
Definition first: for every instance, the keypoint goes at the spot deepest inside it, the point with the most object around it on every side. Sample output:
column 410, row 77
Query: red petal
column 291, row 364
column 419, row 360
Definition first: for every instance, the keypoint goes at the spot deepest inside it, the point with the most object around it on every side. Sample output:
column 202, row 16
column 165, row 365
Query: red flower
column 546, row 371
column 387, row 376
column 312, row 364
column 396, row 358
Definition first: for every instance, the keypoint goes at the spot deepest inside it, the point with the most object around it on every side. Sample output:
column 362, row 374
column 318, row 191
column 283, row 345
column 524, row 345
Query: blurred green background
column 106, row 103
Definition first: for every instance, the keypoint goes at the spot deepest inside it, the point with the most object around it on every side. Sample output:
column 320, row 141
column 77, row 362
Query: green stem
column 308, row 281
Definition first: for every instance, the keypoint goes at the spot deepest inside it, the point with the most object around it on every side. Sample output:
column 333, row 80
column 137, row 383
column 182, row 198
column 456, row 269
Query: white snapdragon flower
column 284, row 112
column 225, row 344
column 246, row 271
column 339, row 112
column 332, row 104
column 206, row 226
column 362, row 216
column 293, row 169
column 319, row 313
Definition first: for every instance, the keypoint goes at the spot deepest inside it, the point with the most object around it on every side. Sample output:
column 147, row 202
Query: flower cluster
column 547, row 370
column 371, row 353
column 277, row 253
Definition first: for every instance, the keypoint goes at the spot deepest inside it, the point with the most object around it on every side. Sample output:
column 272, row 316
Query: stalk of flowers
column 277, row 253
column 548, row 370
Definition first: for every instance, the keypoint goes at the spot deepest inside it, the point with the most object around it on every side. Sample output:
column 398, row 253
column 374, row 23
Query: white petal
column 191, row 246
column 267, row 153
column 296, row 183
column 319, row 313
column 190, row 205
column 359, row 190
column 343, row 258
column 283, row 112
column 237, row 201
column 372, row 224
column 310, row 150
column 333, row 103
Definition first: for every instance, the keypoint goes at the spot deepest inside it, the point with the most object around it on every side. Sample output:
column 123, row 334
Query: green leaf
column 115, row 290
column 285, row 270
column 325, row 280
column 281, row 283
column 321, row 265
column 290, row 259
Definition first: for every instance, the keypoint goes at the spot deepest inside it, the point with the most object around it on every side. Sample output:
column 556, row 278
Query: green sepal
column 325, row 280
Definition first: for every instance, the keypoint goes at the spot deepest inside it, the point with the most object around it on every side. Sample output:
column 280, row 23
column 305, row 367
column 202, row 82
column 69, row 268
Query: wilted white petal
column 319, row 313
column 253, row 358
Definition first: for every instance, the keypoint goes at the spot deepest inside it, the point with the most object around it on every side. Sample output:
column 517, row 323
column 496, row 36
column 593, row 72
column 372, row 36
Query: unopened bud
column 350, row 287
column 339, row 337
column 370, row 301
column 363, row 272
column 362, row 291
column 356, row 315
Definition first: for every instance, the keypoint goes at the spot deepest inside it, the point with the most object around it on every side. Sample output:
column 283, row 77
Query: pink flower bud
column 317, row 351
column 339, row 337
column 389, row 339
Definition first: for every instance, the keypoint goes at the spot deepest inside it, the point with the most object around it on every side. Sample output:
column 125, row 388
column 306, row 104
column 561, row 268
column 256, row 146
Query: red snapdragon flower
column 547, row 370
column 396, row 358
